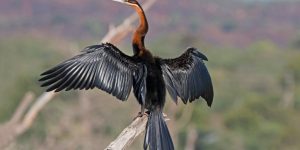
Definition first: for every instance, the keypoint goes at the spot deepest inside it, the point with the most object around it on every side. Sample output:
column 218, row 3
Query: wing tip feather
column 196, row 52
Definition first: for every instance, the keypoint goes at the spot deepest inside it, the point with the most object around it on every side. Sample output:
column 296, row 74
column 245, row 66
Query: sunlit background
column 253, row 47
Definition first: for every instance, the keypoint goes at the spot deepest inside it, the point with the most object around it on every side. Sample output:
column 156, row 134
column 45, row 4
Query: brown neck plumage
column 140, row 32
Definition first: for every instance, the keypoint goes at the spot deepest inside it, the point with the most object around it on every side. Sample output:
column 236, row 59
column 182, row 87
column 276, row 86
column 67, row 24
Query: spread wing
column 103, row 66
column 188, row 77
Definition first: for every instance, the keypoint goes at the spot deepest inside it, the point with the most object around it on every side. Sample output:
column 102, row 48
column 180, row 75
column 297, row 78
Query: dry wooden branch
column 10, row 130
column 128, row 135
column 191, row 138
column 25, row 102
column 34, row 110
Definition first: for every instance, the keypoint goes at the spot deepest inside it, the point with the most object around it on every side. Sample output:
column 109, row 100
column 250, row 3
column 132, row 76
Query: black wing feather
column 103, row 66
column 188, row 77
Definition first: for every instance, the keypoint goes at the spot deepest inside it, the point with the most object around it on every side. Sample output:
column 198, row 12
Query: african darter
column 104, row 66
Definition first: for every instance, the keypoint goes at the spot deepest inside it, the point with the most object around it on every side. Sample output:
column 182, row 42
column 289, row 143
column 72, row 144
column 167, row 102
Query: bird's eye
column 130, row 1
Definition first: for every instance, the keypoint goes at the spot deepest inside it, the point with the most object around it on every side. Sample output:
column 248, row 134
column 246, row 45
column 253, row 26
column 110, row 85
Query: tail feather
column 157, row 135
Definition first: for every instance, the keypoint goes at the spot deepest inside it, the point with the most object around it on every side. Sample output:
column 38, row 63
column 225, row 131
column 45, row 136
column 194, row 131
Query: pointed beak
column 121, row 1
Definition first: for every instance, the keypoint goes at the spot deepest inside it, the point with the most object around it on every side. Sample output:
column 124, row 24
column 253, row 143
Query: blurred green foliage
column 21, row 61
column 247, row 112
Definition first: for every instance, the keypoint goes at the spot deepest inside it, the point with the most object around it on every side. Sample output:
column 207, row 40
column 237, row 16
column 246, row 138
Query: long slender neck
column 140, row 33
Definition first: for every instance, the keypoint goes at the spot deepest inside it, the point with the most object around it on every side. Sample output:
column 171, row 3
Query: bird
column 107, row 68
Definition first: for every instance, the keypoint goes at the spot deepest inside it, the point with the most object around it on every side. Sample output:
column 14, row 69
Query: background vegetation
column 254, row 60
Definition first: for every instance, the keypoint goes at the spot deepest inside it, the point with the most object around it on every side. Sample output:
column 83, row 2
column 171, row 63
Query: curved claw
column 141, row 114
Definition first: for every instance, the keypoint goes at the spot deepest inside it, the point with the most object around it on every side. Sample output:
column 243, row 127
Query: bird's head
column 128, row 2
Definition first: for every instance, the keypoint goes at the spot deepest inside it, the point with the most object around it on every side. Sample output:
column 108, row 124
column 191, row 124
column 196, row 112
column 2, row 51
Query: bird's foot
column 141, row 114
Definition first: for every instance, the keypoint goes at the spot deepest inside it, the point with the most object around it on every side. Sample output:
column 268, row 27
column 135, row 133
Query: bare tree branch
column 10, row 130
column 191, row 138
column 34, row 110
column 128, row 135
column 25, row 102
